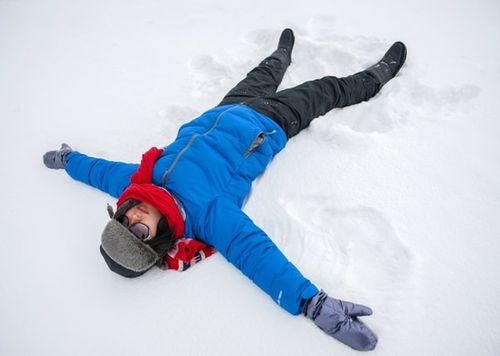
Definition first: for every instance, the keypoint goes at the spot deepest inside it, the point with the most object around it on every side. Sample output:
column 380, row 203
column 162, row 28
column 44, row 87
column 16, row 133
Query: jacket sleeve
column 107, row 176
column 247, row 247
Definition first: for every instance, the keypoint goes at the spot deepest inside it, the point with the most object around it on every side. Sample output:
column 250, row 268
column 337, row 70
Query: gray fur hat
column 124, row 253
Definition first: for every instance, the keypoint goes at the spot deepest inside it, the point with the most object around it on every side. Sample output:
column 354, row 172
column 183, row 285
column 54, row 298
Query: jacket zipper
column 257, row 142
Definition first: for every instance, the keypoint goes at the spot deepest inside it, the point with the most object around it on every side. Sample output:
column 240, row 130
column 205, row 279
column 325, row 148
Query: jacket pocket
column 257, row 142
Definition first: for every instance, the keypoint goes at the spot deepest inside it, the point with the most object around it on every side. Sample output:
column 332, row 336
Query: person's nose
column 136, row 217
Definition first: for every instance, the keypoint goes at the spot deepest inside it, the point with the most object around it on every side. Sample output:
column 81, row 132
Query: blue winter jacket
column 209, row 168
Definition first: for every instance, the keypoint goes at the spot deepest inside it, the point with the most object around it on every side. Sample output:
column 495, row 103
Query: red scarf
column 143, row 190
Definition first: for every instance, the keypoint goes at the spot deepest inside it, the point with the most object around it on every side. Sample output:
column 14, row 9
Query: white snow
column 393, row 203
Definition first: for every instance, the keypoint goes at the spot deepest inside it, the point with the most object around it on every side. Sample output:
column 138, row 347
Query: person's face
column 146, row 214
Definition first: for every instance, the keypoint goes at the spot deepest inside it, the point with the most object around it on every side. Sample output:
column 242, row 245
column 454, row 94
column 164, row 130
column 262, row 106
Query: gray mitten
column 57, row 159
column 339, row 319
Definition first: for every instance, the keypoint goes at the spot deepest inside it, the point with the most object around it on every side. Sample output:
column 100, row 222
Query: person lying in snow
column 183, row 202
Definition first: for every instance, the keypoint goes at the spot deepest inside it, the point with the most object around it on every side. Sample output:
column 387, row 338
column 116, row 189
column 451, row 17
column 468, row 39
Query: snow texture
column 393, row 203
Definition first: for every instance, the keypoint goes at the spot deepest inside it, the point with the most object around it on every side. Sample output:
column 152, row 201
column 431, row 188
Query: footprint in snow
column 208, row 74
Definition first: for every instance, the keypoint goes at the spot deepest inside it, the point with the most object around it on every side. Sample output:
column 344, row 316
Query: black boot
column 287, row 39
column 389, row 65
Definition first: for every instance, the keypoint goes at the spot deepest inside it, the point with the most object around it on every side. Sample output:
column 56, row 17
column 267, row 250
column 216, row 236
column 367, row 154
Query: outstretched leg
column 265, row 78
column 294, row 109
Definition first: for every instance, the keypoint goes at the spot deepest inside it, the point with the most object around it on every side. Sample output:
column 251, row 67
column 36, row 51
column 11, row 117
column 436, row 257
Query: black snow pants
column 294, row 109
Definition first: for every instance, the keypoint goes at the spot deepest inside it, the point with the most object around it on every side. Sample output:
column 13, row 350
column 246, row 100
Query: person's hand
column 339, row 319
column 57, row 159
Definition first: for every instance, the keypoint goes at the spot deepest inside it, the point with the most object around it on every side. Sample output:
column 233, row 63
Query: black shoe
column 287, row 39
column 389, row 65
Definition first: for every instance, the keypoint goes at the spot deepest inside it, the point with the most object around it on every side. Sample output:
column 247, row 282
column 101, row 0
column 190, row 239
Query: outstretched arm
column 246, row 246
column 107, row 176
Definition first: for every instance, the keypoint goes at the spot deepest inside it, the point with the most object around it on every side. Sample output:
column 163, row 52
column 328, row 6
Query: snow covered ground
column 393, row 203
